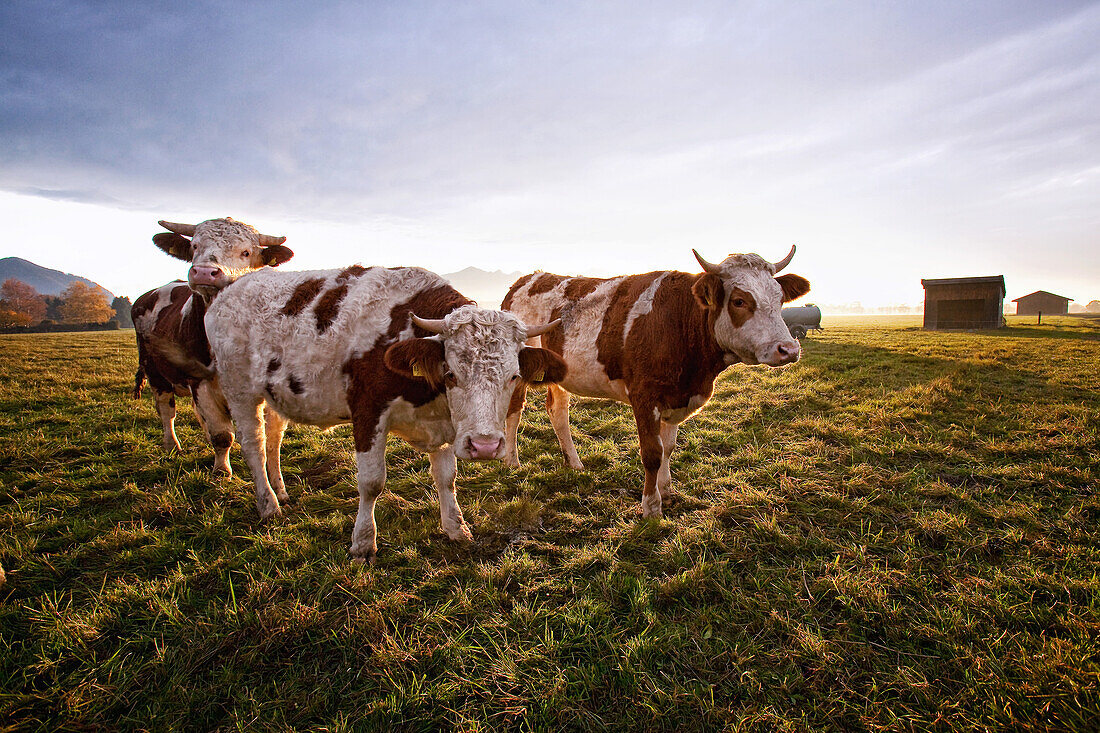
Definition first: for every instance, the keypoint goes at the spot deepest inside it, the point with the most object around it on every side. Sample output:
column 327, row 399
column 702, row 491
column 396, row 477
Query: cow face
column 220, row 251
column 744, row 299
column 478, row 358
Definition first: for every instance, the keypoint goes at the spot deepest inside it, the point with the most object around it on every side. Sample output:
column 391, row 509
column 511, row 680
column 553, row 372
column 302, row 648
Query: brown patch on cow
column 174, row 244
column 794, row 286
column 294, row 384
column 518, row 399
column 544, row 284
column 708, row 291
column 609, row 344
column 419, row 358
column 554, row 339
column 351, row 272
column 222, row 440
column 302, row 296
column 273, row 366
column 186, row 334
column 578, row 287
column 506, row 304
column 372, row 386
column 328, row 307
column 275, row 255
column 741, row 306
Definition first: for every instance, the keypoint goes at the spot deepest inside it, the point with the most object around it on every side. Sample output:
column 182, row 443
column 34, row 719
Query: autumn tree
column 83, row 303
column 20, row 303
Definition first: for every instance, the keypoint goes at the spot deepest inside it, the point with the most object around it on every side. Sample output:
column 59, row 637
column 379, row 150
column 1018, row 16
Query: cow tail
column 139, row 381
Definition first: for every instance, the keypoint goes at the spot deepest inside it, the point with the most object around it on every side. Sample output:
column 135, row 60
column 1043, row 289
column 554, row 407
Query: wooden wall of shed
column 986, row 314
column 1045, row 303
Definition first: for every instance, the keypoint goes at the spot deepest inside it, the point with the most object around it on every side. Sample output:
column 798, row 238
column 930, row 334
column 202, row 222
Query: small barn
column 964, row 302
column 1042, row 302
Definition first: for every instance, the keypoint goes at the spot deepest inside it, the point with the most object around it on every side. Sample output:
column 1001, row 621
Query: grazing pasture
column 901, row 532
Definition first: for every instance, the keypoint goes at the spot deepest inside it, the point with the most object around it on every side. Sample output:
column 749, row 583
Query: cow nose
column 787, row 352
column 484, row 447
column 205, row 274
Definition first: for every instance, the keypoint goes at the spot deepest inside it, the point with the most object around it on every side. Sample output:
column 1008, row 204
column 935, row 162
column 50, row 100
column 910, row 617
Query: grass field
column 898, row 533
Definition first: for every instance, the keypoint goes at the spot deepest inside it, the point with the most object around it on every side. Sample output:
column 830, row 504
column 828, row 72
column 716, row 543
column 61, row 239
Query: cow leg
column 213, row 414
column 511, row 426
column 250, row 431
column 557, row 404
column 668, row 443
column 649, row 439
column 274, row 427
column 444, row 468
column 166, row 408
column 371, row 476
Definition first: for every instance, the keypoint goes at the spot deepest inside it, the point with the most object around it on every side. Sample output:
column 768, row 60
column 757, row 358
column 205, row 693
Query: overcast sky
column 889, row 140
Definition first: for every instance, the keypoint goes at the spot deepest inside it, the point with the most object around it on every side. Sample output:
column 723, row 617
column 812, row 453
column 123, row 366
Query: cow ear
column 419, row 358
column 276, row 254
column 794, row 286
column 708, row 291
column 540, row 366
column 174, row 244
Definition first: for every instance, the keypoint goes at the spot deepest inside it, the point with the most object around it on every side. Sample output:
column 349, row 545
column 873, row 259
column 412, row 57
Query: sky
column 889, row 140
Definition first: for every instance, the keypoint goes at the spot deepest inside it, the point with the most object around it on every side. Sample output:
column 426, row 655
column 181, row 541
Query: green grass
column 898, row 533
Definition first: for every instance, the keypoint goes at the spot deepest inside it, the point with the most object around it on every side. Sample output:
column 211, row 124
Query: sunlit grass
column 899, row 532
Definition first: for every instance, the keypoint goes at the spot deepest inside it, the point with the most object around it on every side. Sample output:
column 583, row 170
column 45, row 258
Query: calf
column 656, row 342
column 389, row 350
column 220, row 250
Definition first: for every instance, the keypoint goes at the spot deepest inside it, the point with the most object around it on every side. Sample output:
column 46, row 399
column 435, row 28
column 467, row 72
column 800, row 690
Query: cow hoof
column 283, row 497
column 510, row 461
column 364, row 557
column 575, row 465
column 269, row 513
column 222, row 474
column 460, row 534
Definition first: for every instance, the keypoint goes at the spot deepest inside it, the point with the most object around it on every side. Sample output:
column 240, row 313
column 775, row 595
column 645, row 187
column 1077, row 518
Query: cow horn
column 785, row 261
column 432, row 325
column 707, row 266
column 187, row 230
column 533, row 331
column 266, row 240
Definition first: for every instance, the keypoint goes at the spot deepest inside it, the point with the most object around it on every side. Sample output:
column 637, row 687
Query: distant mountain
column 487, row 288
column 42, row 279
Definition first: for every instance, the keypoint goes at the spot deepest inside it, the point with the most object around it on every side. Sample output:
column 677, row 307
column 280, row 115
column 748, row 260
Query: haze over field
column 890, row 141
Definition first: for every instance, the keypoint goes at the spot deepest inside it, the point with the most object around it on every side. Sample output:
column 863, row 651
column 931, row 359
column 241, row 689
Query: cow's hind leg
column 649, row 439
column 511, row 426
column 166, row 409
column 668, row 443
column 444, row 469
column 557, row 404
column 274, row 427
column 213, row 414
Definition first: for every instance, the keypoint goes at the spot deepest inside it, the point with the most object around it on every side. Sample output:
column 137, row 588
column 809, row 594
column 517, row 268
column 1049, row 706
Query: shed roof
column 1042, row 292
column 987, row 280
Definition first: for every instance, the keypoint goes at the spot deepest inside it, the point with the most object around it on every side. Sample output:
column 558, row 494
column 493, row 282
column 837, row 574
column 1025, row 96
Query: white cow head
column 478, row 357
column 744, row 299
column 220, row 251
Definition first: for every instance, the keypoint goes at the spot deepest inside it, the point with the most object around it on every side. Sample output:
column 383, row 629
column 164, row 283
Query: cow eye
column 245, row 253
column 515, row 377
column 449, row 379
column 739, row 303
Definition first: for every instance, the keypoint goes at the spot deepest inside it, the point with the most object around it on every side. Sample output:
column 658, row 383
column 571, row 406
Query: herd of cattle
column 398, row 350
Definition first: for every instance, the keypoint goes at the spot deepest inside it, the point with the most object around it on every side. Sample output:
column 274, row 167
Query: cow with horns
column 656, row 342
column 386, row 349
column 220, row 251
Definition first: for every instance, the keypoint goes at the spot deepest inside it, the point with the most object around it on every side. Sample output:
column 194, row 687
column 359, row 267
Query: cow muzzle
column 207, row 276
column 784, row 352
column 482, row 447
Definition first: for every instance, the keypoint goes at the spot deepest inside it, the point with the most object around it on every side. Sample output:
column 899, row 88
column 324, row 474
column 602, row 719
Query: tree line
column 80, row 303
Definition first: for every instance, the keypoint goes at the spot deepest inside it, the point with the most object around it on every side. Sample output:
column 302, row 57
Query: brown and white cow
column 656, row 342
column 220, row 250
column 387, row 349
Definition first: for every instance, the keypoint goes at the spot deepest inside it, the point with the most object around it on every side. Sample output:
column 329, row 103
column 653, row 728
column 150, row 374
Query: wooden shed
column 1042, row 302
column 964, row 302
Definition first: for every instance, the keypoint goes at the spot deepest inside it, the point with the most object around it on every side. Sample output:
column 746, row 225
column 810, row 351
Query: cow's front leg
column 648, row 419
column 274, row 427
column 668, row 443
column 213, row 414
column 511, row 425
column 166, row 410
column 250, row 432
column 371, row 477
column 444, row 469
column 557, row 404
